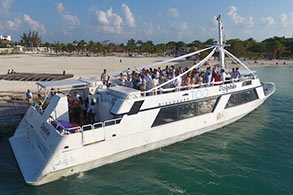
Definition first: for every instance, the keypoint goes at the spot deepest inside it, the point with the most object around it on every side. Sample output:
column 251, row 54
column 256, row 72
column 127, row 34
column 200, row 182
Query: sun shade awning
column 62, row 84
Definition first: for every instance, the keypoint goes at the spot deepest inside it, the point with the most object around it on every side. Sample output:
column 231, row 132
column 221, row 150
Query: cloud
column 34, row 25
column 14, row 25
column 148, row 28
column 181, row 29
column 267, row 21
column 130, row 20
column 173, row 12
column 239, row 20
column 6, row 3
column 70, row 19
column 108, row 21
column 283, row 19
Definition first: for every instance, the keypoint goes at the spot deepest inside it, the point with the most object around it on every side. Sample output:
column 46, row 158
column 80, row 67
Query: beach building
column 5, row 38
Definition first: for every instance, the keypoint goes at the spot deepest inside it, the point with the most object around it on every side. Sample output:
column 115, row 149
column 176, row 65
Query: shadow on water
column 8, row 125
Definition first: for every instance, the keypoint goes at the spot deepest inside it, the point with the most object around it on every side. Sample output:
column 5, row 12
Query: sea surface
column 251, row 156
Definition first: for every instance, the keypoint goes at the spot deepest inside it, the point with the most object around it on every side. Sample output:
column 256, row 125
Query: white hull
column 146, row 142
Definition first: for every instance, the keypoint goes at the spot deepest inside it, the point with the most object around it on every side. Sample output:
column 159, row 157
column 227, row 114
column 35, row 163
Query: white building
column 8, row 37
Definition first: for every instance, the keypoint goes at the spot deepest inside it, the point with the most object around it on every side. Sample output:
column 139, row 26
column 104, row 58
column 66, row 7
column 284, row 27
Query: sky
column 158, row 20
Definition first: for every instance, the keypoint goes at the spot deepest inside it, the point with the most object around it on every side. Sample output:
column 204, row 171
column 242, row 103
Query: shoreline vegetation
column 31, row 43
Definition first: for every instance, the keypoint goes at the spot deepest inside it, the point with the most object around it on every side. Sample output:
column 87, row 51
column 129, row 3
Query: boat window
column 182, row 111
column 241, row 98
column 135, row 107
column 246, row 83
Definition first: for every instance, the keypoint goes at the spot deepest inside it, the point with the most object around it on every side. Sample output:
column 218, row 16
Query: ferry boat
column 130, row 122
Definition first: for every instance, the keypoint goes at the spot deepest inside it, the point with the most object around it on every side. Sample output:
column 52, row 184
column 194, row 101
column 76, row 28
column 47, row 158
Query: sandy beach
column 84, row 67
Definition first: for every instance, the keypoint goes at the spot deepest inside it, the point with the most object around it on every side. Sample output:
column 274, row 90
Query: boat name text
column 193, row 95
column 226, row 88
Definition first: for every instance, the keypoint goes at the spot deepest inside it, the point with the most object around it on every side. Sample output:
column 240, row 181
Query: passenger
column 232, row 72
column 236, row 74
column 192, row 81
column 148, row 79
column 69, row 101
column 29, row 96
column 9, row 71
column 92, row 112
column 142, row 72
column 156, row 74
column 214, row 73
column 178, row 83
column 196, row 75
column 59, row 91
column 52, row 93
column 180, row 70
column 128, row 73
column 208, row 71
column 142, row 84
column 223, row 76
column 129, row 82
column 84, row 105
column 122, row 79
column 209, row 79
column 40, row 100
column 138, row 81
column 76, row 96
column 76, row 110
column 134, row 80
column 217, row 79
column 161, row 79
column 154, row 82
column 105, row 77
column 200, row 80
column 187, row 81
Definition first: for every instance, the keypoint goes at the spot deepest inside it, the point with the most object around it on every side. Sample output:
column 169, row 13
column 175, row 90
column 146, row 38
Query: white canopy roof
column 71, row 83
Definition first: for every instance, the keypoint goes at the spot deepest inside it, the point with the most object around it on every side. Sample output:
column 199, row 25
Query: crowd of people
column 81, row 111
column 147, row 79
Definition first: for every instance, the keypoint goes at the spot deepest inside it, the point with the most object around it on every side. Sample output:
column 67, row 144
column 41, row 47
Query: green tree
column 180, row 44
column 71, row 47
column 209, row 42
column 131, row 46
column 81, row 45
column 198, row 44
column 237, row 47
column 171, row 45
column 31, row 39
column 160, row 48
column 57, row 47
column 274, row 49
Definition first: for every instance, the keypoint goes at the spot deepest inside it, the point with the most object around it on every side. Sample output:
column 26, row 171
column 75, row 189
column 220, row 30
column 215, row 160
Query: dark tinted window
column 241, row 98
column 135, row 107
column 178, row 112
column 246, row 83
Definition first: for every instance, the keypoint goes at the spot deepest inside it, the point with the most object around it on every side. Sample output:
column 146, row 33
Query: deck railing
column 188, row 87
column 87, row 127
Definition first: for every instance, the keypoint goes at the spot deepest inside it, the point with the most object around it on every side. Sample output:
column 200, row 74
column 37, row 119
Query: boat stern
column 29, row 162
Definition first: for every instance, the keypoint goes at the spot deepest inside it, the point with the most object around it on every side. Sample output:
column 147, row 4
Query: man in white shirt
column 223, row 76
column 178, row 83
column 105, row 77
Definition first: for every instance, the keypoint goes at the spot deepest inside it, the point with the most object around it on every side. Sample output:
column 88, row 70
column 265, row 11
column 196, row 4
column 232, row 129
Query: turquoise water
column 251, row 156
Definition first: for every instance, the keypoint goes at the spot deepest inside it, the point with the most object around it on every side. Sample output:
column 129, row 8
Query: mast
column 220, row 43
